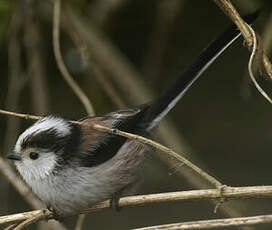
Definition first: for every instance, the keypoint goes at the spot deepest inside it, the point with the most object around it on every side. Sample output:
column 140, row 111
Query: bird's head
column 44, row 146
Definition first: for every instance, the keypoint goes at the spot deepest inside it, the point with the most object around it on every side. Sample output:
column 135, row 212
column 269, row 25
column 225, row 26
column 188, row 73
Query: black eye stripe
column 48, row 139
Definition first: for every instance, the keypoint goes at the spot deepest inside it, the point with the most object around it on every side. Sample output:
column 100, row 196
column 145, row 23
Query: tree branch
column 226, row 193
column 209, row 224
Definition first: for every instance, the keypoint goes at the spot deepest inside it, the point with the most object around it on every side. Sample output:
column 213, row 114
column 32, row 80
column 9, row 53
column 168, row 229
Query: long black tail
column 161, row 106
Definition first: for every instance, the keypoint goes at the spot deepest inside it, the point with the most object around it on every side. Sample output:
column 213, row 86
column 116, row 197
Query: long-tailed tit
column 73, row 166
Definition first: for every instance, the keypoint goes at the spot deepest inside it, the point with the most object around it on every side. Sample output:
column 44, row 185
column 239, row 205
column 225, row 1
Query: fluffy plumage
column 73, row 180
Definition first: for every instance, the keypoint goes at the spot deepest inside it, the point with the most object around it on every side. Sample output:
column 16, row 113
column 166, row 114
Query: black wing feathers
column 112, row 143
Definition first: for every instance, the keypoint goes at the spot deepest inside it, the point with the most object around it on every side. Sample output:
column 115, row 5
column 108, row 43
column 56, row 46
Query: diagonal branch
column 144, row 140
column 163, row 148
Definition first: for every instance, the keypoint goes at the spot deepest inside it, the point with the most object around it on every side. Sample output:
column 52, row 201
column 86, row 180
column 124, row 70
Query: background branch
column 66, row 75
column 86, row 56
column 36, row 66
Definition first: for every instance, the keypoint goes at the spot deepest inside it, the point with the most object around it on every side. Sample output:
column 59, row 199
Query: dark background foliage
column 222, row 119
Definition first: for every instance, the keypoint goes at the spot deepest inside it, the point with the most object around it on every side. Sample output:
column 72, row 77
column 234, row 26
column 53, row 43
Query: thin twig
column 250, row 65
column 210, row 224
column 29, row 221
column 252, row 42
column 228, row 193
column 20, row 115
column 232, row 13
column 66, row 75
column 98, row 73
column 10, row 227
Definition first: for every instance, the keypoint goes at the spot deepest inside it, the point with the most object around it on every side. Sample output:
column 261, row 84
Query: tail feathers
column 160, row 107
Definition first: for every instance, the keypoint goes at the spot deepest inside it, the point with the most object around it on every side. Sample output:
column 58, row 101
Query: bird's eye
column 33, row 155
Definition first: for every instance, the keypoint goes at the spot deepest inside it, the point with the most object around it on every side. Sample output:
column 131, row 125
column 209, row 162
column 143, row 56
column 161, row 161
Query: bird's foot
column 114, row 202
column 56, row 215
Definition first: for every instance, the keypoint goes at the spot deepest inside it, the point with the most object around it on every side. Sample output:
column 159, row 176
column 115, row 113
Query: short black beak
column 14, row 156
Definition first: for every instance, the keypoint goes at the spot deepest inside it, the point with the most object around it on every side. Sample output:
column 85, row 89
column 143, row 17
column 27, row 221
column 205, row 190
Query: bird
column 72, row 166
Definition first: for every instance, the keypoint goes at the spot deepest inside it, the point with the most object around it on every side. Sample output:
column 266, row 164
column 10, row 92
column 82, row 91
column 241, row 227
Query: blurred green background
column 222, row 120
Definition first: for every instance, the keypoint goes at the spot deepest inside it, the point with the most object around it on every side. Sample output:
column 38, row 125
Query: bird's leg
column 55, row 214
column 114, row 201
